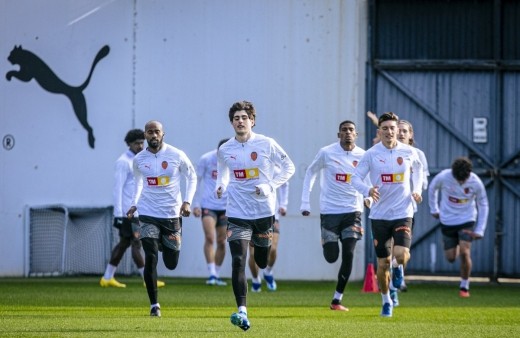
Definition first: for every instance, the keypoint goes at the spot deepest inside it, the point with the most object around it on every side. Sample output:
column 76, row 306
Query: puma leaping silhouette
column 32, row 67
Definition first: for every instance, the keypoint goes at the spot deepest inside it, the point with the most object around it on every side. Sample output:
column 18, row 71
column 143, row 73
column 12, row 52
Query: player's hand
column 219, row 192
column 130, row 212
column 282, row 211
column 374, row 193
column 435, row 215
column 118, row 222
column 367, row 202
column 472, row 234
column 306, row 213
column 417, row 197
column 185, row 209
column 196, row 212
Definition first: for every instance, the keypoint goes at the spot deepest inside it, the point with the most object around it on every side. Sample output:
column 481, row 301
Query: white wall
column 300, row 62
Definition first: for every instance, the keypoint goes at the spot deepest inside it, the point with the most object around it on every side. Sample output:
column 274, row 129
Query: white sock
column 464, row 283
column 338, row 296
column 110, row 271
column 268, row 270
column 386, row 298
column 141, row 272
column 257, row 280
column 217, row 270
column 156, row 304
column 211, row 269
column 242, row 309
column 394, row 263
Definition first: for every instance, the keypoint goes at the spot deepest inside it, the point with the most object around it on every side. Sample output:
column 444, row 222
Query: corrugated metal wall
column 441, row 65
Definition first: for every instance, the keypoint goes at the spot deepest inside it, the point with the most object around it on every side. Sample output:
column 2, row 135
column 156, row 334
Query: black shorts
column 259, row 231
column 384, row 231
column 167, row 230
column 453, row 234
column 340, row 226
column 218, row 215
column 129, row 228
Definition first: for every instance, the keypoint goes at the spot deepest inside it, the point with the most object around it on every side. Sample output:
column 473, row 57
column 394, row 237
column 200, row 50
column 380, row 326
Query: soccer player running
column 406, row 136
column 463, row 213
column 246, row 171
column 282, row 199
column 157, row 198
column 128, row 228
column 212, row 211
column 391, row 164
column 340, row 204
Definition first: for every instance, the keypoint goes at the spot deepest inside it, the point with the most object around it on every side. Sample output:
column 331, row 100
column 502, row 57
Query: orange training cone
column 370, row 284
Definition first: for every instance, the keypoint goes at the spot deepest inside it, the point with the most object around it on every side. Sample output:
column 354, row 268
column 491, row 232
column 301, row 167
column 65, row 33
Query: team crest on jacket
column 354, row 163
column 399, row 160
column 466, row 191
column 164, row 164
column 254, row 155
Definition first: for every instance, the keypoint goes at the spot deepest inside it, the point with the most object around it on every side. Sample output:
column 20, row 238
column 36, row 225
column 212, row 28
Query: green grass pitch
column 79, row 307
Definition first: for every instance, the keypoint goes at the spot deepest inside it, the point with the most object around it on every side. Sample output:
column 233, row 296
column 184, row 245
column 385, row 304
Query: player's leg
column 150, row 247
column 125, row 239
column 273, row 252
column 465, row 258
column 220, row 251
column 256, row 281
column 240, row 232
column 262, row 239
column 171, row 239
column 209, row 222
column 351, row 232
column 382, row 234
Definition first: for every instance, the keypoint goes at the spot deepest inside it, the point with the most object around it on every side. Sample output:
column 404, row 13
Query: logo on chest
column 246, row 174
column 158, row 181
column 392, row 178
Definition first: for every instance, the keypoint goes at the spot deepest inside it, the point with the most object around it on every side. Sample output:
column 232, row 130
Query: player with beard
column 157, row 172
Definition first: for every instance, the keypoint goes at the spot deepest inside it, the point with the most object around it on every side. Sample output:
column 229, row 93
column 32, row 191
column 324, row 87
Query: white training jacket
column 158, row 179
column 459, row 203
column 244, row 166
column 124, row 184
column 206, row 182
column 336, row 166
column 282, row 195
column 390, row 170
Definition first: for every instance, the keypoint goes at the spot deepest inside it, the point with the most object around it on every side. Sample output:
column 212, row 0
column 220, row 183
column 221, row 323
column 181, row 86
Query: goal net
column 73, row 241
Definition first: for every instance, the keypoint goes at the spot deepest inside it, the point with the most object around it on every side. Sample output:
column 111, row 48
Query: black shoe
column 155, row 312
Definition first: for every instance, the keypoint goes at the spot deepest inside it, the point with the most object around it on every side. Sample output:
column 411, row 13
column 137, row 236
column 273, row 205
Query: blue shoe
column 397, row 276
column 240, row 319
column 395, row 298
column 220, row 282
column 212, row 280
column 386, row 311
column 256, row 287
column 271, row 283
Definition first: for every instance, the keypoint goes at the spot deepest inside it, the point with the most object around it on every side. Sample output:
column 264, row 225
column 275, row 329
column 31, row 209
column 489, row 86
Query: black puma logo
column 32, row 67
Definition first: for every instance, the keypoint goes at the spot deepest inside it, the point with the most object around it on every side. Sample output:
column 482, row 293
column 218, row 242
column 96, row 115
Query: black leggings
column 238, row 250
column 331, row 254
column 151, row 250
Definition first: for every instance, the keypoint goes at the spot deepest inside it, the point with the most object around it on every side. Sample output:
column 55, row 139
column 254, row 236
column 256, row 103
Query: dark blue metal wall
column 441, row 65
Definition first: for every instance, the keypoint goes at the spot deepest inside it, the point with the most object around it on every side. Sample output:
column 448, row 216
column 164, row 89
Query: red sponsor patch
column 254, row 155
column 214, row 174
column 152, row 180
column 355, row 163
column 399, row 160
column 164, row 164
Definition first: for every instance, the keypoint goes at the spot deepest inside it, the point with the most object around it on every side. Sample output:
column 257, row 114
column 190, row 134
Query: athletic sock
column 110, row 271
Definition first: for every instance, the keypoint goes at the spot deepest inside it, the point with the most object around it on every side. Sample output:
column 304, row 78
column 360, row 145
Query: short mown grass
column 79, row 307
